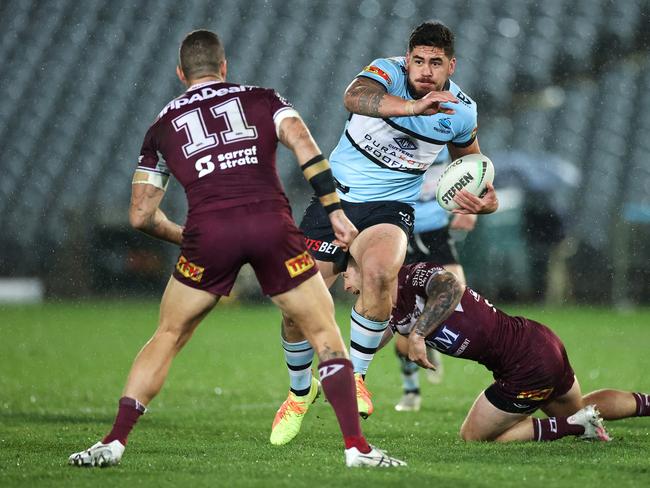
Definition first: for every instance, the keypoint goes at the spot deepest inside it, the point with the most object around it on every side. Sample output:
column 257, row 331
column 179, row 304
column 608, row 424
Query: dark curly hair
column 433, row 33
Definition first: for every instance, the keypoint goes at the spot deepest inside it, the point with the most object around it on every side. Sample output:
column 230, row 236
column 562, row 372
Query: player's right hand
column 431, row 103
column 418, row 351
column 344, row 230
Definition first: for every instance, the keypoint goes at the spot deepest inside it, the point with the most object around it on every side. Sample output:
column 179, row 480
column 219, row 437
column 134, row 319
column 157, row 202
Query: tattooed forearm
column 364, row 97
column 444, row 293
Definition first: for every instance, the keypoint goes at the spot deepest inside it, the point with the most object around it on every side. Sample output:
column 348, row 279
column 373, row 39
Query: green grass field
column 62, row 368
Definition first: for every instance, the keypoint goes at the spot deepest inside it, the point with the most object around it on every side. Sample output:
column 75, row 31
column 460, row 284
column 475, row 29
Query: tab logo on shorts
column 189, row 270
column 299, row 264
column 537, row 395
column 379, row 72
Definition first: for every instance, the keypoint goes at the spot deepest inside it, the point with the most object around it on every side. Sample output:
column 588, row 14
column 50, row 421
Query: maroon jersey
column 219, row 141
column 476, row 330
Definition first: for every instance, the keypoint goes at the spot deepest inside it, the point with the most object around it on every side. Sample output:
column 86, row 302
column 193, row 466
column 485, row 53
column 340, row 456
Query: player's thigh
column 182, row 307
column 380, row 249
column 329, row 271
column 566, row 404
column 485, row 422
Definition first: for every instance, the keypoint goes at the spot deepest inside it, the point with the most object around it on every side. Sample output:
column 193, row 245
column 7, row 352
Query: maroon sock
column 642, row 404
column 337, row 379
column 554, row 428
column 128, row 413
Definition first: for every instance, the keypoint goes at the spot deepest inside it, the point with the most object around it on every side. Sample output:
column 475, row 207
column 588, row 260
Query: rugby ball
column 472, row 172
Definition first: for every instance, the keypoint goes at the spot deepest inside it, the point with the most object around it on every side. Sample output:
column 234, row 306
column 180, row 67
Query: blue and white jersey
column 429, row 215
column 385, row 159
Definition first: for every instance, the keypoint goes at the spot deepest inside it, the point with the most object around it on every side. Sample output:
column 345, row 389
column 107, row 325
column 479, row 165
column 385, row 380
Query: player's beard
column 422, row 91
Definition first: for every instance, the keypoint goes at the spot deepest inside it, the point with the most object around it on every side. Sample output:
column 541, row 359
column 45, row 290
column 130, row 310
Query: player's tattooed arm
column 145, row 215
column 444, row 293
column 369, row 97
column 364, row 96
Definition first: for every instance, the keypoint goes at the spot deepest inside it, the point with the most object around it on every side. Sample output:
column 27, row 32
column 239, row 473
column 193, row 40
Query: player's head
column 430, row 58
column 201, row 55
column 352, row 278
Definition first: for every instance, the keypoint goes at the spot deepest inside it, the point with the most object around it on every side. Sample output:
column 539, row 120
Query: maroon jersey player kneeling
column 529, row 363
column 219, row 141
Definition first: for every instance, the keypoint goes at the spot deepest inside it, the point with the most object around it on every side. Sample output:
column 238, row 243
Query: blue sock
column 365, row 336
column 299, row 356
column 410, row 376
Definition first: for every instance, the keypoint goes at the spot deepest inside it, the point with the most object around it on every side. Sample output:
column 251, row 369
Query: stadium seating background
column 81, row 82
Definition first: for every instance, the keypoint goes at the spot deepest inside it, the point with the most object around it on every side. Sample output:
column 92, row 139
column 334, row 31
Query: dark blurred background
column 563, row 90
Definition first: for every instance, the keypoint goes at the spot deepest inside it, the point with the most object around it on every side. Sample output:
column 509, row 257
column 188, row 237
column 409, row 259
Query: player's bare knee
column 176, row 336
column 377, row 279
column 290, row 330
column 469, row 435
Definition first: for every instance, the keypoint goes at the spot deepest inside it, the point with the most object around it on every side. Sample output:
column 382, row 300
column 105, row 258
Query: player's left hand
column 344, row 229
column 471, row 204
column 431, row 103
column 418, row 351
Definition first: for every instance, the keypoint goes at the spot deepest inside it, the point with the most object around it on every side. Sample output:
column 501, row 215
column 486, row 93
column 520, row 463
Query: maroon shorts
column 539, row 375
column 217, row 244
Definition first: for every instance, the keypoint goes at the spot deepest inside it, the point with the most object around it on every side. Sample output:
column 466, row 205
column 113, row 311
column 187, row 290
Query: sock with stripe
column 410, row 376
column 299, row 356
column 642, row 404
column 365, row 336
column 553, row 428
column 338, row 384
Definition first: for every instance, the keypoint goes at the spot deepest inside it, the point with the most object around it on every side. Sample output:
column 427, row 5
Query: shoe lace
column 292, row 406
column 361, row 388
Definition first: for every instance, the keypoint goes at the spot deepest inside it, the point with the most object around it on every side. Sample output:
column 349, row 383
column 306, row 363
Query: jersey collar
column 201, row 85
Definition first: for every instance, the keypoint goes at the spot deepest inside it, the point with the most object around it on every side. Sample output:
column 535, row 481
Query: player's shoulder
column 209, row 91
column 418, row 274
column 391, row 70
column 465, row 103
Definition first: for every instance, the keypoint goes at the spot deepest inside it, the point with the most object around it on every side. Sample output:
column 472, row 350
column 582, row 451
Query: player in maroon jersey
column 219, row 140
column 529, row 363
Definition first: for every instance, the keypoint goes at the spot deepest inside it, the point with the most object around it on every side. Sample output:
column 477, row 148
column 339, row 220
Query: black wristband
column 332, row 206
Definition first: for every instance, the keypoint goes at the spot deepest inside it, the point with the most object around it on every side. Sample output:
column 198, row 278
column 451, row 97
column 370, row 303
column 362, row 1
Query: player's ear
column 452, row 66
column 181, row 75
column 223, row 70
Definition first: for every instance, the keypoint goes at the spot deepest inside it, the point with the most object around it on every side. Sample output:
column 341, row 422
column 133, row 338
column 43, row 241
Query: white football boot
column 410, row 402
column 98, row 455
column 376, row 458
column 589, row 418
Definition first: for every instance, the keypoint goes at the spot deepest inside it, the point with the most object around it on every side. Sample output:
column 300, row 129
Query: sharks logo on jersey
column 385, row 159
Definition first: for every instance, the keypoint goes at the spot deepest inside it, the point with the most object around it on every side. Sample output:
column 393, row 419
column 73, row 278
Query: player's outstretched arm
column 294, row 134
column 444, row 293
column 368, row 97
column 145, row 215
